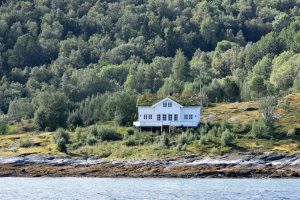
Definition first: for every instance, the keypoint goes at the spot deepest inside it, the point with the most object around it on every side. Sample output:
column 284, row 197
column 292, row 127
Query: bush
column 3, row 124
column 259, row 129
column 108, row 134
column 165, row 141
column 173, row 130
column 202, row 140
column 131, row 141
column 61, row 139
column 26, row 143
column 93, row 131
column 214, row 150
column 214, row 131
column 145, row 137
column 61, row 133
column 91, row 140
column 227, row 138
column 130, row 131
column 267, row 107
column 202, row 131
column 206, row 139
column 182, row 140
column 79, row 136
column 61, row 145
column 225, row 125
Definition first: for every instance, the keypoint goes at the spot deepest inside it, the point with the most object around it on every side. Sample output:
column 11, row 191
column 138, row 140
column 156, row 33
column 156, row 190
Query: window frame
column 164, row 117
column 165, row 104
column 190, row 116
column 170, row 117
column 158, row 117
column 186, row 116
column 170, row 104
column 175, row 117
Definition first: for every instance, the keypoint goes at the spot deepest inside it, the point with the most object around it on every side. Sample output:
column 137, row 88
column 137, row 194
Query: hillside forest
column 66, row 63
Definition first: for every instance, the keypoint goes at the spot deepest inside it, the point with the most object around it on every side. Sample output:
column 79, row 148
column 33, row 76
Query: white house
column 168, row 112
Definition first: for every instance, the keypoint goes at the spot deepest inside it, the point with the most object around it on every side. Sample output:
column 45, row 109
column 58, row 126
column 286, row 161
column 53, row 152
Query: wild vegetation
column 75, row 63
column 226, row 128
column 68, row 64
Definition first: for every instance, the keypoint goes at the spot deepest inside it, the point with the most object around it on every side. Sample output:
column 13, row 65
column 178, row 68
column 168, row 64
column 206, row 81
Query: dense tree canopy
column 84, row 54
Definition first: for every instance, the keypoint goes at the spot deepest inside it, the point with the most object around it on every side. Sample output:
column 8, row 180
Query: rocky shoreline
column 243, row 165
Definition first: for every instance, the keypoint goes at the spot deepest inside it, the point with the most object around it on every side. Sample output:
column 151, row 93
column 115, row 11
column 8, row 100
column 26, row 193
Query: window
column 175, row 117
column 150, row 117
column 145, row 116
column 186, row 116
column 170, row 117
column 164, row 117
column 165, row 104
column 158, row 117
column 190, row 116
column 169, row 104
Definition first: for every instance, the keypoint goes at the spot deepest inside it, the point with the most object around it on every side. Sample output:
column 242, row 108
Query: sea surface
column 148, row 188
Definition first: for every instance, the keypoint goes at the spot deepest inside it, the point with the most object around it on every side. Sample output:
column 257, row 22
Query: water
column 134, row 188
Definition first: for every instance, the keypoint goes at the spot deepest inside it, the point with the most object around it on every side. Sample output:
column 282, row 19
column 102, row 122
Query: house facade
column 168, row 112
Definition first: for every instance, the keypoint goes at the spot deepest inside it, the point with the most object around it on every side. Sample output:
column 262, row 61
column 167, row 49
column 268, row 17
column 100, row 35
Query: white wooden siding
column 176, row 109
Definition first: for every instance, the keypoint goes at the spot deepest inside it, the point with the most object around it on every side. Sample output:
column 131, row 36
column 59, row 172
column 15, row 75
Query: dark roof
column 151, row 99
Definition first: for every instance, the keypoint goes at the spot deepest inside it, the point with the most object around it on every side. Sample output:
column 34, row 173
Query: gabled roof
column 167, row 98
column 151, row 99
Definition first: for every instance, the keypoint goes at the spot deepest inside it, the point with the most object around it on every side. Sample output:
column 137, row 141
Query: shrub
column 182, row 140
column 173, row 130
column 213, row 131
column 267, row 107
column 61, row 133
column 108, row 134
column 214, row 150
column 206, row 139
column 3, row 124
column 61, row 139
column 165, row 141
column 202, row 140
column 79, row 136
column 259, row 129
column 225, row 125
column 91, row 140
column 202, row 131
column 130, row 131
column 227, row 138
column 183, row 148
column 145, row 137
column 241, row 128
column 131, row 141
column 93, row 131
column 61, row 145
column 237, row 127
column 26, row 143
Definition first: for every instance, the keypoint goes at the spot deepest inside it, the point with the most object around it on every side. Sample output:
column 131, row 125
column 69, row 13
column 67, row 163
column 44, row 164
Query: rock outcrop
column 250, row 164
